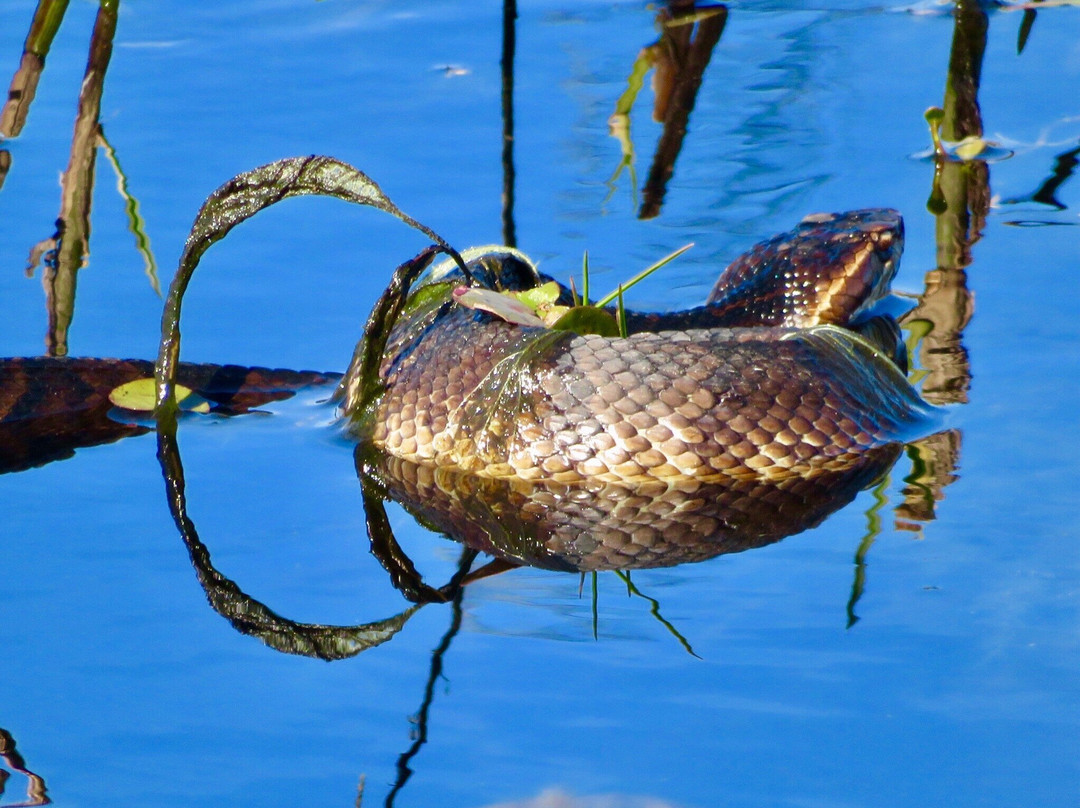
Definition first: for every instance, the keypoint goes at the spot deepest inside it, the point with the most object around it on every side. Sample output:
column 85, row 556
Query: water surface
column 958, row 681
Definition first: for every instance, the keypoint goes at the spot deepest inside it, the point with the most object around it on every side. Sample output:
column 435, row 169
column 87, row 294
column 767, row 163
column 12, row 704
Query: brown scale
column 673, row 401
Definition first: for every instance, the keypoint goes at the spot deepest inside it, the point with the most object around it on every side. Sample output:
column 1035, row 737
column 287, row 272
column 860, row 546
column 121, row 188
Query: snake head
column 831, row 268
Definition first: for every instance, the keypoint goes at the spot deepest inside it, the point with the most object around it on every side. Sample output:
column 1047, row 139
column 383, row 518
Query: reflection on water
column 43, row 27
column 551, row 526
column 1047, row 193
column 66, row 252
column 49, row 408
column 509, row 45
column 959, row 200
column 688, row 35
column 35, row 784
column 617, row 527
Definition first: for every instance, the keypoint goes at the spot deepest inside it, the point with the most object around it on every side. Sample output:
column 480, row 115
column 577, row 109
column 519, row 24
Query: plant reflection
column 46, row 22
column 36, row 792
column 249, row 616
column 506, row 64
column 64, row 253
column 550, row 526
column 420, row 720
column 959, row 201
column 688, row 35
column 1046, row 194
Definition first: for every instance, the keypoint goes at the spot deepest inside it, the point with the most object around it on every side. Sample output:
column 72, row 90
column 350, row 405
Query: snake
column 785, row 371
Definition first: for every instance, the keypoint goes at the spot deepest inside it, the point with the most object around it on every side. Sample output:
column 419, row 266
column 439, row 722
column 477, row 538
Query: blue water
column 959, row 683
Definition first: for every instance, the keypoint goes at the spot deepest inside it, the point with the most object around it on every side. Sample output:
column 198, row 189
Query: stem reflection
column 959, row 201
column 36, row 792
column 420, row 720
column 65, row 253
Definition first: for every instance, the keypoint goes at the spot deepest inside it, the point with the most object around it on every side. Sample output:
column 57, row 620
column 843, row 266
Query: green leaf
column 552, row 314
column 141, row 394
column 241, row 198
column 620, row 316
column 427, row 296
column 588, row 320
column 539, row 296
column 136, row 223
column 585, row 278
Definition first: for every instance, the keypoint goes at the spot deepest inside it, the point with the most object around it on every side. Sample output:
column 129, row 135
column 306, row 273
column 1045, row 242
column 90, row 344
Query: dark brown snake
column 769, row 380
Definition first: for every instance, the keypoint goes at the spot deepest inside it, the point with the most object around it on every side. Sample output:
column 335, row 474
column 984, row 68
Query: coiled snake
column 778, row 375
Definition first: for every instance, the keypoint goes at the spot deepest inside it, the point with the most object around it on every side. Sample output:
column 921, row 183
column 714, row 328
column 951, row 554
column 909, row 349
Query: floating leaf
column 970, row 147
column 141, row 395
column 507, row 307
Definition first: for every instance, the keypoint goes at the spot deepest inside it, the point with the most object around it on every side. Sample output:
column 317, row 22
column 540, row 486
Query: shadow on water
column 50, row 406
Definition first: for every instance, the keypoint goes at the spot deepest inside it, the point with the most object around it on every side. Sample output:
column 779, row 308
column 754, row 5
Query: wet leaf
column 241, row 198
column 539, row 297
column 553, row 314
column 141, row 396
column 543, row 300
column 588, row 320
column 508, row 307
column 426, row 297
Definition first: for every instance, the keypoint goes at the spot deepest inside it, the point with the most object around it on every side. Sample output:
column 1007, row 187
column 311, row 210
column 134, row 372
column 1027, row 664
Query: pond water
column 920, row 646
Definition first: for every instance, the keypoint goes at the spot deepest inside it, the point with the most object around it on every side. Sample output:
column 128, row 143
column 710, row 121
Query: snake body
column 768, row 380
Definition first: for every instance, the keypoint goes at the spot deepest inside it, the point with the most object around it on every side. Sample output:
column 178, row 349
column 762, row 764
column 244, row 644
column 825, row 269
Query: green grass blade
column 585, row 279
column 642, row 276
column 621, row 317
